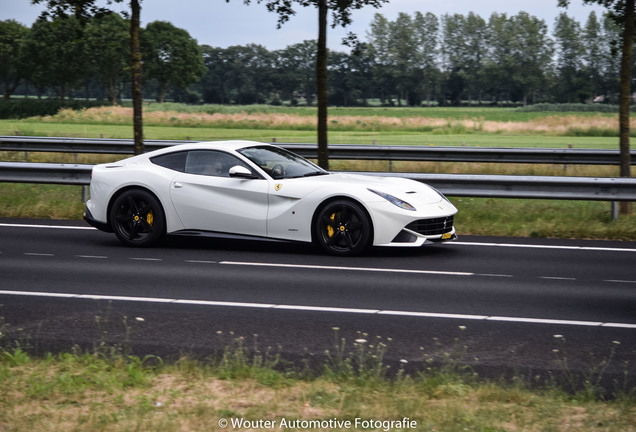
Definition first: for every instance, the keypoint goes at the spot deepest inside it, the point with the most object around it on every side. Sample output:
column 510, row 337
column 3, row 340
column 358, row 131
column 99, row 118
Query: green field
column 37, row 128
column 100, row 391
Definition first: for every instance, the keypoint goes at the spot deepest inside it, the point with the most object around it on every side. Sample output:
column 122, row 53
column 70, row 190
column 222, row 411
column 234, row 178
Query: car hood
column 355, row 184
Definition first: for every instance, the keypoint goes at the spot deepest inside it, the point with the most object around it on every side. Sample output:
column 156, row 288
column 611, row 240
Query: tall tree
column 569, row 59
column 341, row 15
column 522, row 50
column 106, row 42
column 12, row 38
column 406, row 61
column 379, row 39
column 83, row 10
column 427, row 34
column 53, row 48
column 463, row 52
column 297, row 70
column 171, row 56
column 593, row 58
column 623, row 12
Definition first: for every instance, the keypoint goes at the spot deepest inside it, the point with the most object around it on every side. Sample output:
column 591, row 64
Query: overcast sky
column 220, row 24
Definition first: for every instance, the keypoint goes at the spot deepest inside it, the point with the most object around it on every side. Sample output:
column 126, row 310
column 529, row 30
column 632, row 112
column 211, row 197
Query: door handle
column 177, row 185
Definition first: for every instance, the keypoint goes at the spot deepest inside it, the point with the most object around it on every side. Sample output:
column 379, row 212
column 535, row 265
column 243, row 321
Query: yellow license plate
column 446, row 236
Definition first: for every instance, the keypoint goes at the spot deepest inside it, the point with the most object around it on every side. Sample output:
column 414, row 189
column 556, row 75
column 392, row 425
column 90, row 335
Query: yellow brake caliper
column 150, row 218
column 330, row 230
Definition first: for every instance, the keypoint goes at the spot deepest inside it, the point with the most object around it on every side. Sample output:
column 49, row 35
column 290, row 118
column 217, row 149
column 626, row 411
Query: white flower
column 140, row 319
column 361, row 341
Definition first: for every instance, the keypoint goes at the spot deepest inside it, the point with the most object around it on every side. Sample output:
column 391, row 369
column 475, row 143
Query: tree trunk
column 112, row 91
column 136, row 77
column 321, row 84
column 626, row 96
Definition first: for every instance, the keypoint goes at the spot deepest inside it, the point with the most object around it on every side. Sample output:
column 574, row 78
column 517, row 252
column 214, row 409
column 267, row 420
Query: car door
column 207, row 198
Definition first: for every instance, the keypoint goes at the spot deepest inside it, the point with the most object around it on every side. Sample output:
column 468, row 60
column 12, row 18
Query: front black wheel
column 343, row 228
column 137, row 218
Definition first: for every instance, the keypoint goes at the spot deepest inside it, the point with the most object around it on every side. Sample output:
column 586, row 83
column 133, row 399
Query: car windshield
column 280, row 163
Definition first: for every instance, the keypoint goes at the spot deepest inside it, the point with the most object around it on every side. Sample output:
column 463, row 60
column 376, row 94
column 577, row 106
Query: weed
column 93, row 391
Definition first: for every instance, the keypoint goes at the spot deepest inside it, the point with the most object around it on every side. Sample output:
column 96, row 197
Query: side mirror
column 239, row 171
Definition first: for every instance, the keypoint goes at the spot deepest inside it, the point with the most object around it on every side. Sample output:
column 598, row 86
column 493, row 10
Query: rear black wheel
column 137, row 218
column 343, row 228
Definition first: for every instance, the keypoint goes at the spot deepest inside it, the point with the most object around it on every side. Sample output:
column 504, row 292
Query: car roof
column 220, row 145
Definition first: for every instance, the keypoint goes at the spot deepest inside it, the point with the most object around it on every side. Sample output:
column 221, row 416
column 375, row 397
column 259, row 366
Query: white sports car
column 259, row 190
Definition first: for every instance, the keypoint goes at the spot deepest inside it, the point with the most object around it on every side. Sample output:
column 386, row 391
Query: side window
column 174, row 161
column 211, row 162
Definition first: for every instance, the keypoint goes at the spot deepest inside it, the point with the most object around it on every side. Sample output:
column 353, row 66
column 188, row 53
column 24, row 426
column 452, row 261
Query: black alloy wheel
column 137, row 218
column 343, row 228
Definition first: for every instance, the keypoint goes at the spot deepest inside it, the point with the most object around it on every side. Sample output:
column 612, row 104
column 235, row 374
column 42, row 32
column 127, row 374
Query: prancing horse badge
column 278, row 186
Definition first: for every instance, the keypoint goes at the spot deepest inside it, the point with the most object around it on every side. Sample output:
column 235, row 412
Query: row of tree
column 62, row 57
column 412, row 60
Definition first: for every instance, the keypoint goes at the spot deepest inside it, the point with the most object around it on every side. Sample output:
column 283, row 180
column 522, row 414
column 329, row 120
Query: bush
column 570, row 107
column 23, row 108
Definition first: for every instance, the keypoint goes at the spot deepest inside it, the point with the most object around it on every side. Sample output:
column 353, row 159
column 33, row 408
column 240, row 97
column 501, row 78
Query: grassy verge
column 37, row 128
column 111, row 391
column 421, row 126
column 477, row 216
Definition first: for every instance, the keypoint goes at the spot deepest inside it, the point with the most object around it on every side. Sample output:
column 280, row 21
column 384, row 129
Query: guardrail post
column 614, row 211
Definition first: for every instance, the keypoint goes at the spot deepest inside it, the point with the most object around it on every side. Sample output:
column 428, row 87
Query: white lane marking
column 367, row 269
column 433, row 315
column 39, row 254
column 459, row 243
column 145, row 259
column 529, row 246
column 92, row 256
column 225, row 304
column 546, row 321
column 494, row 275
column 200, row 262
column 47, row 226
column 321, row 309
column 327, row 309
column 620, row 281
column 557, row 278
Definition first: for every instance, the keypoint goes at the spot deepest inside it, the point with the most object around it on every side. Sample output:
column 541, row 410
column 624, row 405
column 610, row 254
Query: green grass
column 486, row 113
column 542, row 219
column 24, row 200
column 37, row 128
column 110, row 390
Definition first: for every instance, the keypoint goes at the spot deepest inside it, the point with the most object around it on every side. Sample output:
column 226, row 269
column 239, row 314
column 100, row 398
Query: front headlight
column 394, row 200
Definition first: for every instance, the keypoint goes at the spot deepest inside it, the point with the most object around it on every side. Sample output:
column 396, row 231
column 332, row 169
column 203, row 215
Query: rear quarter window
column 174, row 161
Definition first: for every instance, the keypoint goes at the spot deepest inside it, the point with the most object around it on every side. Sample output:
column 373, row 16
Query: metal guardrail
column 495, row 186
column 534, row 187
column 48, row 173
column 339, row 151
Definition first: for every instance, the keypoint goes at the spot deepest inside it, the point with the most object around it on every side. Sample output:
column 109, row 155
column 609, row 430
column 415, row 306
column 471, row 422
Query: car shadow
column 296, row 248
column 266, row 246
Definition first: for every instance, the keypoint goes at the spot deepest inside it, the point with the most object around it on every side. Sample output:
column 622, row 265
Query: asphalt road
column 498, row 304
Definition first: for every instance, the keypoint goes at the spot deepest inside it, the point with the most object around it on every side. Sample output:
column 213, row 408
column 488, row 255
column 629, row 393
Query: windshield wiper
column 314, row 173
column 310, row 174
